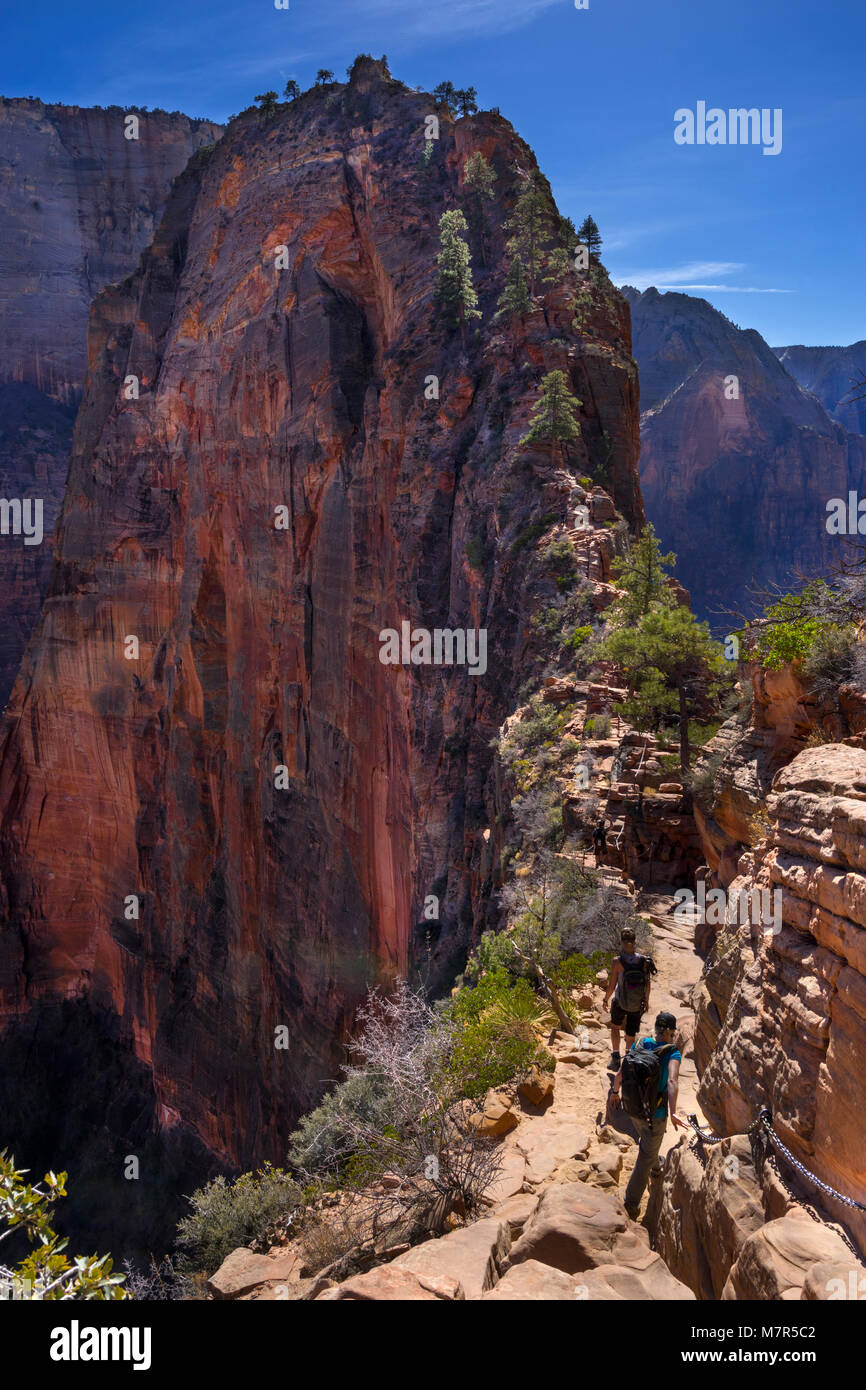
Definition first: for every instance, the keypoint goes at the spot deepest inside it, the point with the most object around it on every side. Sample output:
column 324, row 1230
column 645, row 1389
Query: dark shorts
column 618, row 1017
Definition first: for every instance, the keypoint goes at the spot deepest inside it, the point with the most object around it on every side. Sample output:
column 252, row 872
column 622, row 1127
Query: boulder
column 516, row 1211
column 509, row 1178
column 776, row 1261
column 537, row 1088
column 576, row 1227
column 389, row 1283
column 474, row 1256
column 532, row 1282
column 243, row 1270
column 652, row 1282
column 497, row 1118
column 835, row 1280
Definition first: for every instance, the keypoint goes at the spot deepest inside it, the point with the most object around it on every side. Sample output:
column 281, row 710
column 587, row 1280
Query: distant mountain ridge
column 831, row 374
column 738, row 457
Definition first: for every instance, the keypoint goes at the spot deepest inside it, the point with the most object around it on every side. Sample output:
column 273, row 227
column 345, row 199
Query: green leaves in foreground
column 48, row 1274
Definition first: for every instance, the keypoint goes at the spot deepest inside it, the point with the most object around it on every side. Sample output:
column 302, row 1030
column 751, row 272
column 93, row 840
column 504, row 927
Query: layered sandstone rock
column 279, row 801
column 781, row 1014
column 78, row 204
column 737, row 485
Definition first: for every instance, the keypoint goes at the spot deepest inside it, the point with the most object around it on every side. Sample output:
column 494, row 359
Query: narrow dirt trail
column 576, row 1132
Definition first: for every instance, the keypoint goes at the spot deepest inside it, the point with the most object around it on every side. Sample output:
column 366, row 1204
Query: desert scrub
column 226, row 1214
column 702, row 778
column 495, row 1038
column 758, row 826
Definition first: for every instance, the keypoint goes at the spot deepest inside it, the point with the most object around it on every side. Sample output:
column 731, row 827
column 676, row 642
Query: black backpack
column 641, row 1070
column 634, row 983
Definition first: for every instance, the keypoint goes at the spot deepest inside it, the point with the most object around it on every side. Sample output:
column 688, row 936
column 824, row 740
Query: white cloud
column 693, row 275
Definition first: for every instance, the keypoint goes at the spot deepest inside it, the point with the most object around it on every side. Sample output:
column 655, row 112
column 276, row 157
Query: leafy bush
column 811, row 624
column 598, row 726
column 226, row 1214
column 702, row 778
column 48, row 1274
column 576, row 970
column 476, row 553
column 831, row 661
column 362, row 1099
column 495, row 1040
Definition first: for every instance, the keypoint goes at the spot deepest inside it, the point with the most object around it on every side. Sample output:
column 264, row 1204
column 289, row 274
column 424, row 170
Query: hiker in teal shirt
column 652, row 1133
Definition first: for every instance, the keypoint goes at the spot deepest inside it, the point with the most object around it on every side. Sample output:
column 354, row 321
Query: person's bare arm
column 616, row 1088
column 673, row 1093
column 611, row 982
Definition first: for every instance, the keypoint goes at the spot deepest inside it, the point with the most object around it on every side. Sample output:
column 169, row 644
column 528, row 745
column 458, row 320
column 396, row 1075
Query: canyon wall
column 738, row 461
column 216, row 836
column 835, row 375
column 78, row 204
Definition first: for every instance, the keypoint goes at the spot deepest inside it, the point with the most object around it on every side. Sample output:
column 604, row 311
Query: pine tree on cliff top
column 455, row 293
column 554, row 414
column 591, row 237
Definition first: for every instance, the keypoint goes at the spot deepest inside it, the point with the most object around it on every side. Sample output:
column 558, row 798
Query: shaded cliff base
column 98, row 1090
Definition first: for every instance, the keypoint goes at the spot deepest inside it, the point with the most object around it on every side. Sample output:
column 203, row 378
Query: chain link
column 764, row 1120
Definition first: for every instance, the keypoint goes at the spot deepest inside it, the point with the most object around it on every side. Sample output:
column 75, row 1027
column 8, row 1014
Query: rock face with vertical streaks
column 78, row 204
column 287, row 486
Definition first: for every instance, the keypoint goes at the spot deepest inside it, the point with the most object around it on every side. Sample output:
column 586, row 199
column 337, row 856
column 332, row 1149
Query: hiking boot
column 615, row 1061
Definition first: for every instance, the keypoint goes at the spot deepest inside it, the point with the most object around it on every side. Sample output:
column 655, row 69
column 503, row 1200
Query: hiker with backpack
column 629, row 983
column 647, row 1085
column 599, row 839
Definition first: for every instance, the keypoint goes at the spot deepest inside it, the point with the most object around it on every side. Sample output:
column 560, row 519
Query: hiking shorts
column 618, row 1017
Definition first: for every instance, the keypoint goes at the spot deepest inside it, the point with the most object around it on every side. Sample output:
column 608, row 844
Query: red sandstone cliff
column 78, row 204
column 301, row 388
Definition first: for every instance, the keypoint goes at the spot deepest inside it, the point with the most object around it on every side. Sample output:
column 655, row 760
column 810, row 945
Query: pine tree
column 554, row 414
column 478, row 181
column 446, row 95
column 323, row 76
column 671, row 665
column 591, row 237
column 515, row 296
column 267, row 104
column 466, row 101
column 455, row 293
column 530, row 225
column 291, row 90
column 642, row 576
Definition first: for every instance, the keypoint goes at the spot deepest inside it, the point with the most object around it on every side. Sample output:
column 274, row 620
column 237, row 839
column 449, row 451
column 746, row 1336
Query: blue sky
column 779, row 238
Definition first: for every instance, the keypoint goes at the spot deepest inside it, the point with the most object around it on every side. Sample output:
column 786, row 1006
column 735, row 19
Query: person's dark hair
column 627, row 934
column 665, row 1021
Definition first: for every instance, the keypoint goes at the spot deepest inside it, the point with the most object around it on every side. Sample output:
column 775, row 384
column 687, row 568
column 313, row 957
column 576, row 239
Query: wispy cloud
column 693, row 275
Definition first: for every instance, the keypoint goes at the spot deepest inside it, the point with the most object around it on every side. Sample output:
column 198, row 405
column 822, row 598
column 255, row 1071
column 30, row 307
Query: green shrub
column 226, row 1214
column 577, row 970
column 48, row 1274
column 490, row 1046
column 332, row 1126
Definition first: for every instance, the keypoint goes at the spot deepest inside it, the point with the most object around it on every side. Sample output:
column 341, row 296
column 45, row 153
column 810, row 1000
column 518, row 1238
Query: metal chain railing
column 764, row 1121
